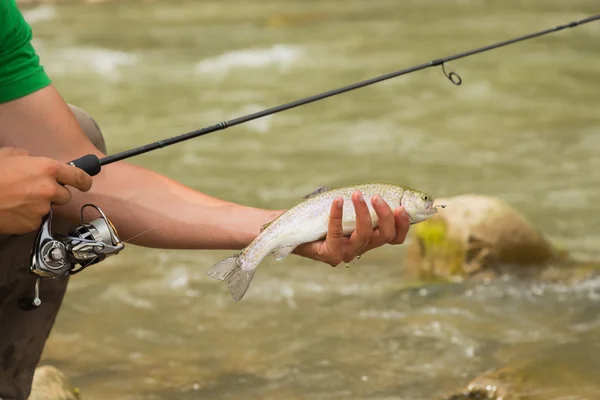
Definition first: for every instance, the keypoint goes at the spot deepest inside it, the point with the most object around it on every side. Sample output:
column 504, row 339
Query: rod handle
column 89, row 163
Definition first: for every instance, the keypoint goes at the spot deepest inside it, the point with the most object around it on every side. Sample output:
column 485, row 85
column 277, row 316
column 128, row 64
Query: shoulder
column 11, row 22
column 20, row 69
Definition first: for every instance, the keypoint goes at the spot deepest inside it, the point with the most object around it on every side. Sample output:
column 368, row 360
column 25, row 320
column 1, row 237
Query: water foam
column 104, row 62
column 283, row 57
column 40, row 13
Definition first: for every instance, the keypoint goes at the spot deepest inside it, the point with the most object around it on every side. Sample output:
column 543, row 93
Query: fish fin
column 230, row 270
column 262, row 228
column 318, row 190
column 219, row 270
column 282, row 252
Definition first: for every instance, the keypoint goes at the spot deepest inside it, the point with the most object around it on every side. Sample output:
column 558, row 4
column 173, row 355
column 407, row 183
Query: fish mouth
column 440, row 206
column 434, row 209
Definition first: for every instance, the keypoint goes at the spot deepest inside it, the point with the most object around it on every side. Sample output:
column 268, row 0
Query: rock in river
column 483, row 236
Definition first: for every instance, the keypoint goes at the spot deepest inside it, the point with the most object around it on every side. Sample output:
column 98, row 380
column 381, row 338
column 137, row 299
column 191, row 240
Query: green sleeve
column 20, row 69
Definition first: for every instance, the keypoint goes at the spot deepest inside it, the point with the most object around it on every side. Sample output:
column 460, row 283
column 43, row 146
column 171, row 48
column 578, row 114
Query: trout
column 307, row 222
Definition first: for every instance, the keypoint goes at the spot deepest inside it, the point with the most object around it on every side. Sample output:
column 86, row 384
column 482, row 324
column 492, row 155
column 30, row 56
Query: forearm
column 151, row 210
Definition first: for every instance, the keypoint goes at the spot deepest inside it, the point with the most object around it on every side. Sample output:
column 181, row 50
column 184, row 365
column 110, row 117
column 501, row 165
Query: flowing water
column 524, row 126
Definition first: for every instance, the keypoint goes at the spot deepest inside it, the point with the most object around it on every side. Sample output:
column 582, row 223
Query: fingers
column 402, row 222
column 73, row 176
column 13, row 151
column 385, row 215
column 392, row 228
column 386, row 230
column 364, row 228
column 62, row 196
column 335, row 234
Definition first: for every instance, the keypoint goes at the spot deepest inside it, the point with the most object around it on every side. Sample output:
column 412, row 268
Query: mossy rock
column 567, row 371
column 475, row 235
column 49, row 383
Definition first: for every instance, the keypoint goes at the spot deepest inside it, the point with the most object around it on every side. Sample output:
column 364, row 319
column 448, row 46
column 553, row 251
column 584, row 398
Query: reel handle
column 90, row 163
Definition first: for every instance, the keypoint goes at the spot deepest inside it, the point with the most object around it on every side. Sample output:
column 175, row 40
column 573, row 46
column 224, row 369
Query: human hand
column 335, row 248
column 30, row 185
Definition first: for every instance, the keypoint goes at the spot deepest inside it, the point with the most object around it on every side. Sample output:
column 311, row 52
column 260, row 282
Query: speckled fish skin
column 308, row 221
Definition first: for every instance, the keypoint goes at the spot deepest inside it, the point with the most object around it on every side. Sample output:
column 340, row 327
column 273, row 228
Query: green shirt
column 20, row 69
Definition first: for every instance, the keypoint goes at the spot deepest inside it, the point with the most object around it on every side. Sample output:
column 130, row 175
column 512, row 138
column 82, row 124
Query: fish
column 308, row 221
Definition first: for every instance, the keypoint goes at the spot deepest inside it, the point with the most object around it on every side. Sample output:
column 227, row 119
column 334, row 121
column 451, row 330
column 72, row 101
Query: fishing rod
column 90, row 243
column 92, row 164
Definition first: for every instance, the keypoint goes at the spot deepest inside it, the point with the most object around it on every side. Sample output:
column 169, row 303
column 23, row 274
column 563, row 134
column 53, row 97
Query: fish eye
column 425, row 197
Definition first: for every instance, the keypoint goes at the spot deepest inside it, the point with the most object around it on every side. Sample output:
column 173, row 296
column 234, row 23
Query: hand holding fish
column 337, row 248
column 330, row 225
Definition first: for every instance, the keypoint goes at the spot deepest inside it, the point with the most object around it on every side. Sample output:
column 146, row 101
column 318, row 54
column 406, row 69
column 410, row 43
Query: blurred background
column 524, row 126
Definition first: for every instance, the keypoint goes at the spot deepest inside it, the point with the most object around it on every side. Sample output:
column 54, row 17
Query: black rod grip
column 89, row 163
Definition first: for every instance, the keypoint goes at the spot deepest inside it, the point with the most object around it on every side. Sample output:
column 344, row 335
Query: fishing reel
column 59, row 255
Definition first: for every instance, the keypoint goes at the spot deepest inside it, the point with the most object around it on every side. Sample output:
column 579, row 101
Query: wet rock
column 567, row 371
column 49, row 383
column 478, row 235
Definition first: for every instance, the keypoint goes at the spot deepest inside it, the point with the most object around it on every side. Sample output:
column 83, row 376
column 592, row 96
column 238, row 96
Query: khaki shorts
column 24, row 333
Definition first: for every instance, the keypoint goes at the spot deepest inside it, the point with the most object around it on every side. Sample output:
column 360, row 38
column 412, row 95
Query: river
column 523, row 126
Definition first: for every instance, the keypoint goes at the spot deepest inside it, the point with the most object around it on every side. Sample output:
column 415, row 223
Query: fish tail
column 230, row 270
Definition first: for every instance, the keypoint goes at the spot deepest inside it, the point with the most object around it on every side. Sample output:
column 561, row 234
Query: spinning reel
column 55, row 256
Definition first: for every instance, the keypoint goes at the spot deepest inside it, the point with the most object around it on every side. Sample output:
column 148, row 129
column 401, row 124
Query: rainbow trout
column 307, row 222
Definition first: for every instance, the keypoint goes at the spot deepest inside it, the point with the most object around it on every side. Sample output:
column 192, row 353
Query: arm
column 137, row 200
column 152, row 210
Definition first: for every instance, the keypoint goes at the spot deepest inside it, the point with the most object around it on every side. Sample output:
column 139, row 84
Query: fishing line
column 92, row 164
